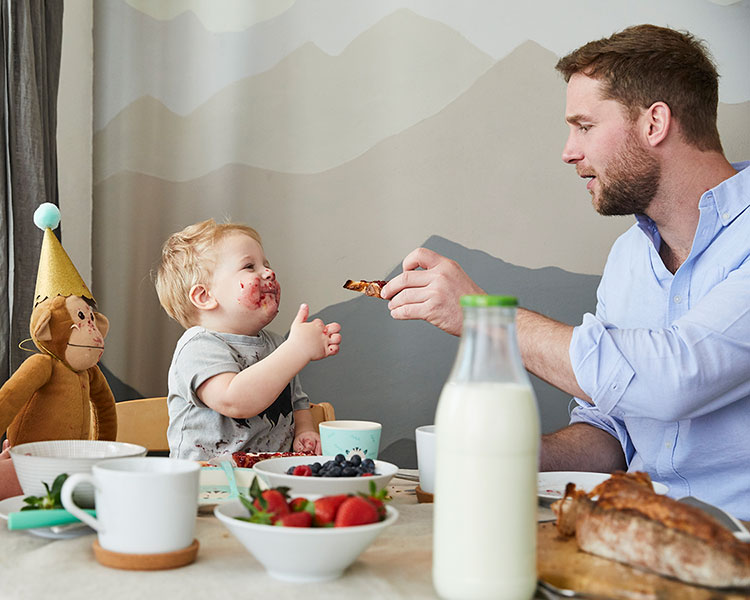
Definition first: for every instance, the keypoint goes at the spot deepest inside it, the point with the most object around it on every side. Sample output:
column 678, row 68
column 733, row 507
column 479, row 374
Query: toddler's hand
column 316, row 338
column 307, row 441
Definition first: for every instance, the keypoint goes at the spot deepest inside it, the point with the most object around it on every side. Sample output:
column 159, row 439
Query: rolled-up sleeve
column 692, row 367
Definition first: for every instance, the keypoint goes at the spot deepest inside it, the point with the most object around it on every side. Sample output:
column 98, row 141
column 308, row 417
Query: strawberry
column 326, row 509
column 356, row 510
column 265, row 506
column 377, row 498
column 298, row 504
column 302, row 470
column 295, row 519
column 274, row 502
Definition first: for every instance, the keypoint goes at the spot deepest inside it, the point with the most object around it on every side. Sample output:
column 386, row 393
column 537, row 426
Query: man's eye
column 250, row 266
column 81, row 315
column 584, row 128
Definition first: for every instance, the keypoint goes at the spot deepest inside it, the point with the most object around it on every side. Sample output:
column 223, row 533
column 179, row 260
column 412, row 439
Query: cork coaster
column 146, row 562
column 423, row 497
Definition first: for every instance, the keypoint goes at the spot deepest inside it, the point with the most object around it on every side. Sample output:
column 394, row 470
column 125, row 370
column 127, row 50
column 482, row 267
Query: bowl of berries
column 325, row 474
column 301, row 539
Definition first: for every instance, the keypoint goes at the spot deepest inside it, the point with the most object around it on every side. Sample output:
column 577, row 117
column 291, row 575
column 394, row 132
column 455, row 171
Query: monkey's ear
column 42, row 330
column 102, row 323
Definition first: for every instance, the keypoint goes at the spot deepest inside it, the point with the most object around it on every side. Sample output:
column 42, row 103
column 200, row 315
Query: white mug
column 144, row 505
column 426, row 437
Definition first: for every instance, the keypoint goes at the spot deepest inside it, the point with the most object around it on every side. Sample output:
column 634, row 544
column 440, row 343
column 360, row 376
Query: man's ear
column 102, row 323
column 42, row 330
column 202, row 298
column 658, row 121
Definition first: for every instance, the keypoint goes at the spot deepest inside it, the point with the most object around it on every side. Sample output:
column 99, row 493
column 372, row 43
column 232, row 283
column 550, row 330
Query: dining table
column 398, row 564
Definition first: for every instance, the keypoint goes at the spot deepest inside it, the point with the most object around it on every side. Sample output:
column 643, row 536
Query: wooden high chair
column 144, row 421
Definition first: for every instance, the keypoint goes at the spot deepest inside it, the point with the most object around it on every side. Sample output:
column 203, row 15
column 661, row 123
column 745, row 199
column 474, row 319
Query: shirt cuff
column 600, row 368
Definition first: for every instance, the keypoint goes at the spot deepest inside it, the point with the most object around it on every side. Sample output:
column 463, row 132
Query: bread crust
column 623, row 519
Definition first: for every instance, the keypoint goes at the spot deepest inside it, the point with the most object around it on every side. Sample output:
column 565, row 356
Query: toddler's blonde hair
column 187, row 260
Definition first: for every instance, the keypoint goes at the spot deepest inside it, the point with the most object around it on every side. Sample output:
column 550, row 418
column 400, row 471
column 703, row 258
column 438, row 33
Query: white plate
column 551, row 484
column 15, row 503
column 214, row 487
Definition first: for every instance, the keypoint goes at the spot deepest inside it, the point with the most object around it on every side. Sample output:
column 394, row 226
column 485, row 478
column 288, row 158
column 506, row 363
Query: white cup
column 144, row 505
column 425, row 437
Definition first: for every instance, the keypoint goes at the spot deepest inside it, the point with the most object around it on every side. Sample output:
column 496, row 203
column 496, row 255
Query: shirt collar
column 730, row 198
column 727, row 198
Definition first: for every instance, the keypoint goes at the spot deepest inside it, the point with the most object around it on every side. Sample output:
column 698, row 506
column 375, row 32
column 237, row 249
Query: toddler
column 233, row 385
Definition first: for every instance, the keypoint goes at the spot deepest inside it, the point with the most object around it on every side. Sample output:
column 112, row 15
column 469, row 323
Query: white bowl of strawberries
column 306, row 539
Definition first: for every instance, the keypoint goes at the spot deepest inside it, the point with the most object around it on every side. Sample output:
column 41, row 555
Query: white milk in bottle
column 487, row 426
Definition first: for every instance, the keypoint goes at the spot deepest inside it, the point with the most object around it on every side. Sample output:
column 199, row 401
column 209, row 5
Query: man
column 661, row 373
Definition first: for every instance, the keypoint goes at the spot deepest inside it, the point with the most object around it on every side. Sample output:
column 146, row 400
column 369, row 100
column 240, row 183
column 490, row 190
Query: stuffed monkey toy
column 55, row 394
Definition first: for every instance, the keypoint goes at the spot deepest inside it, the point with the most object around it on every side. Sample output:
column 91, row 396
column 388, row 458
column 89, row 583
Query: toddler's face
column 244, row 285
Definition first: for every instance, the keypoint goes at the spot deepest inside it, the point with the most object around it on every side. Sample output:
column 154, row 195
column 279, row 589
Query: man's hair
column 187, row 260
column 644, row 64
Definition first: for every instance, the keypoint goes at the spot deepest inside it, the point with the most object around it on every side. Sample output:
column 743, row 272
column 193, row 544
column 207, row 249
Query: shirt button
column 668, row 445
column 725, row 216
column 677, row 299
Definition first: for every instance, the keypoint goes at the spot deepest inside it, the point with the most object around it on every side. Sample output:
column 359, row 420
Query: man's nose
column 571, row 154
column 268, row 274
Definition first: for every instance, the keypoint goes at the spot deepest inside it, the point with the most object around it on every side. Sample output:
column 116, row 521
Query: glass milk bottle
column 487, row 426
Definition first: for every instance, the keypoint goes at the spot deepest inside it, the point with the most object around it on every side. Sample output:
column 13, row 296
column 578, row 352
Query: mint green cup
column 350, row 438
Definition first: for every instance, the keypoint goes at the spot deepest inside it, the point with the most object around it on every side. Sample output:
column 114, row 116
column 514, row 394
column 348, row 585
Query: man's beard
column 633, row 180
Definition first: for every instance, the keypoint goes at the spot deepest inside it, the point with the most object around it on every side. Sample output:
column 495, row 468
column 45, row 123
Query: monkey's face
column 86, row 342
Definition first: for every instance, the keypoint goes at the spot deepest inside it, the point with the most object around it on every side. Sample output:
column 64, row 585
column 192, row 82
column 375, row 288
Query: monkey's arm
column 103, row 402
column 33, row 373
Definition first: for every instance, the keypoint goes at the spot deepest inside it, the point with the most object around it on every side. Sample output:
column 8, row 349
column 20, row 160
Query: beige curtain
column 31, row 45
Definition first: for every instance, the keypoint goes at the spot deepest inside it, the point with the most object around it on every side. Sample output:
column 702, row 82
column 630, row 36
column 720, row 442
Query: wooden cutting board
column 560, row 562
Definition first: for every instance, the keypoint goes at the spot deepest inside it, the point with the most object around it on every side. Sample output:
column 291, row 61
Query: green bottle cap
column 488, row 300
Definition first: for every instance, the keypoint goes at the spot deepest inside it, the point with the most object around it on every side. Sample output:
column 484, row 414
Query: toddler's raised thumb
column 302, row 313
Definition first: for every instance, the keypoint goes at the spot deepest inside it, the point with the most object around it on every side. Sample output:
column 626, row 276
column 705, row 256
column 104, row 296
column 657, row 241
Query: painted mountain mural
column 345, row 150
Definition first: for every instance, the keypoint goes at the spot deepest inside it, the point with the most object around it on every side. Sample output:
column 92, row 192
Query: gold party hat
column 56, row 275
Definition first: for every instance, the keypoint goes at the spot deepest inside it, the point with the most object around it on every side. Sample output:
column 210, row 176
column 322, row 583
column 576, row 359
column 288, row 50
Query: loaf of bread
column 623, row 519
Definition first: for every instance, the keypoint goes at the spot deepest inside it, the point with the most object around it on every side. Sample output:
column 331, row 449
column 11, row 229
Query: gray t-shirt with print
column 198, row 432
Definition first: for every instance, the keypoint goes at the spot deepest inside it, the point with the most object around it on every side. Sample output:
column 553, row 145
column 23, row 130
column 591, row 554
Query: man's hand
column 431, row 293
column 307, row 441
column 315, row 338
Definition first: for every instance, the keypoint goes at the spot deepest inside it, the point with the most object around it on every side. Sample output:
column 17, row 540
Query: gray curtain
column 31, row 45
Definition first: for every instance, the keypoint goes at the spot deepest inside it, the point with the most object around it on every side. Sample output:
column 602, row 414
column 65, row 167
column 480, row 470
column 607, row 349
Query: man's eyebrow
column 574, row 119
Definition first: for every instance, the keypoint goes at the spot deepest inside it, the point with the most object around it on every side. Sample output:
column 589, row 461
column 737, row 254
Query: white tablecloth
column 397, row 565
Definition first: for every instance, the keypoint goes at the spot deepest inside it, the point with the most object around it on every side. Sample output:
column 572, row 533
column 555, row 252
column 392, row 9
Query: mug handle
column 66, row 495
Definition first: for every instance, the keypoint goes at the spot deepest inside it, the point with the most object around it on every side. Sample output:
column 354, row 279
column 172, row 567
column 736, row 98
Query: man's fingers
column 407, row 280
column 421, row 257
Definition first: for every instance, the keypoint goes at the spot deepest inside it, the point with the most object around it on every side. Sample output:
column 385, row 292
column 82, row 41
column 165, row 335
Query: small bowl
column 37, row 462
column 273, row 472
column 302, row 554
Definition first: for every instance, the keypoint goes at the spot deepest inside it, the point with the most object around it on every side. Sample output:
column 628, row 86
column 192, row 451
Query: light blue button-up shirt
column 666, row 359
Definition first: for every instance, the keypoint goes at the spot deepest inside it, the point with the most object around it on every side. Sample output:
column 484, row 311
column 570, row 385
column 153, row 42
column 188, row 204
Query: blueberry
column 348, row 472
column 290, row 471
column 339, row 458
column 335, row 471
column 368, row 463
column 356, row 460
column 315, row 467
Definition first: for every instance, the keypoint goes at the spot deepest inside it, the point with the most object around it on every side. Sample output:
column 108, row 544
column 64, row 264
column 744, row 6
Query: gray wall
column 392, row 371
